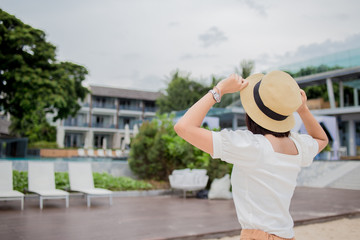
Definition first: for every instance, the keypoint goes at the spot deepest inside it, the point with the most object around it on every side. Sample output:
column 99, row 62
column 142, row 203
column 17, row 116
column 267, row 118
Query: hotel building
column 103, row 116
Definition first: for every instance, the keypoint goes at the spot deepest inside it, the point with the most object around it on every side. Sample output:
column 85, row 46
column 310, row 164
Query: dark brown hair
column 257, row 129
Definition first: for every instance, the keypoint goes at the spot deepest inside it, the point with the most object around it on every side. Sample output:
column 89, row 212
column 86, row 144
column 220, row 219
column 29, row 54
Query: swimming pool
column 114, row 167
column 65, row 159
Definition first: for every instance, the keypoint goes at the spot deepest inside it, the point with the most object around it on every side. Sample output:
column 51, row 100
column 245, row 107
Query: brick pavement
column 158, row 217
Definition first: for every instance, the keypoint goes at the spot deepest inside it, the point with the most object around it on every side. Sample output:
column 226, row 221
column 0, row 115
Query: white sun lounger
column 118, row 153
column 100, row 153
column 109, row 153
column 91, row 153
column 6, row 184
column 41, row 177
column 81, row 152
column 81, row 180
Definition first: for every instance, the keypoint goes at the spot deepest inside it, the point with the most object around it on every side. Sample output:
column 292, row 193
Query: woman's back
column 282, row 145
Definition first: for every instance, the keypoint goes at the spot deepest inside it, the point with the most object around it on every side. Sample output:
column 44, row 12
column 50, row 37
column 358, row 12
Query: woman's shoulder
column 301, row 137
column 241, row 135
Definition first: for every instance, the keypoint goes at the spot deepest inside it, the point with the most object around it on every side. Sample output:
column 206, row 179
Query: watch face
column 216, row 96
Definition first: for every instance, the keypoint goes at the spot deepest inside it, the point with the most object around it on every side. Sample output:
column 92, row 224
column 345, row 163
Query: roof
column 345, row 74
column 124, row 93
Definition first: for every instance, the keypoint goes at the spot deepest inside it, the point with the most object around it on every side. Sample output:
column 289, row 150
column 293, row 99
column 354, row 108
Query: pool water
column 70, row 159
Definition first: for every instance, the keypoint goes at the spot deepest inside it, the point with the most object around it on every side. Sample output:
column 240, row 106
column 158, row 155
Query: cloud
column 212, row 37
column 309, row 51
column 313, row 50
column 198, row 56
column 256, row 6
column 174, row 24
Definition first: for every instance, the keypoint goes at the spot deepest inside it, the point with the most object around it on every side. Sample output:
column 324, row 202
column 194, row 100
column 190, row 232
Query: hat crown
column 280, row 93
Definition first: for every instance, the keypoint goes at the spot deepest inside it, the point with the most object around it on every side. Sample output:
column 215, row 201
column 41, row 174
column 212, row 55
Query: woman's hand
column 303, row 106
column 312, row 126
column 234, row 83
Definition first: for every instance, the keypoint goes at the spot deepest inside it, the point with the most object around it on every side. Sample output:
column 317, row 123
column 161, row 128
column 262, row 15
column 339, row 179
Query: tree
column 33, row 83
column 181, row 93
column 246, row 68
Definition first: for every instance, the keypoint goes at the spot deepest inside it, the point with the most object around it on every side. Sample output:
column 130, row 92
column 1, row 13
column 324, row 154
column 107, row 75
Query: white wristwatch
column 216, row 96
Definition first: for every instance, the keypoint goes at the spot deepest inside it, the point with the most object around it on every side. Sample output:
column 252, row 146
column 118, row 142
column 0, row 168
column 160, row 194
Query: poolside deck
column 159, row 217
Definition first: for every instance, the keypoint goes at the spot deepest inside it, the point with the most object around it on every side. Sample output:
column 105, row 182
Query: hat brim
column 251, row 108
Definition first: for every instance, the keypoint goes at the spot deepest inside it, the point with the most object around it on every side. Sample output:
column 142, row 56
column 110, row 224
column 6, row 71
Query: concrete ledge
column 144, row 193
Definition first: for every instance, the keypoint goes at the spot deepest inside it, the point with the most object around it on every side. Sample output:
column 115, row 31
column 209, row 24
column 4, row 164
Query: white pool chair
column 41, row 180
column 188, row 180
column 81, row 180
column 109, row 153
column 81, row 152
column 118, row 153
column 100, row 153
column 6, row 184
column 90, row 153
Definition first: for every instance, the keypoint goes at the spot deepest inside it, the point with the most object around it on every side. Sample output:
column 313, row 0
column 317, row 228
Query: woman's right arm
column 312, row 126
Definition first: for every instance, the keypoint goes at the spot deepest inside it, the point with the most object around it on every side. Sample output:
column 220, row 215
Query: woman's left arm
column 189, row 126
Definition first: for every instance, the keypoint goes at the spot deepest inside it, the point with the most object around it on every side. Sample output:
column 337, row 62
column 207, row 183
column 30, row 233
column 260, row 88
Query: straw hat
column 270, row 100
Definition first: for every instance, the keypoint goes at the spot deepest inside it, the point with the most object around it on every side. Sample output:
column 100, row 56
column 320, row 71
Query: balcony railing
column 136, row 108
column 101, row 105
column 71, row 124
column 129, row 107
column 102, row 125
column 150, row 109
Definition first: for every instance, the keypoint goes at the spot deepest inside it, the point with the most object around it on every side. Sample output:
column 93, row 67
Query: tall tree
column 246, row 68
column 32, row 82
column 180, row 93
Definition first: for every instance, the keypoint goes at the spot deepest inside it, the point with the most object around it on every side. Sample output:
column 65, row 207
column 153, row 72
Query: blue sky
column 137, row 44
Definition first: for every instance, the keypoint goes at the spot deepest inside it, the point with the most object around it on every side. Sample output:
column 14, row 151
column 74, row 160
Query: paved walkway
column 159, row 217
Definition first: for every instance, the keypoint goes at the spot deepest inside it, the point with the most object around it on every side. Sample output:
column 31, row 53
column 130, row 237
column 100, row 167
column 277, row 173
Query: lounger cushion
column 10, row 194
column 94, row 191
column 220, row 188
column 56, row 192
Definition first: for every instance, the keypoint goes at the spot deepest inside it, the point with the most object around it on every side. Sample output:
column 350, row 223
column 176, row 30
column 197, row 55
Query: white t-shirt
column 263, row 181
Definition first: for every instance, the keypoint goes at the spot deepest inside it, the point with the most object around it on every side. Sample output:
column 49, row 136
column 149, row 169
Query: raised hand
column 234, row 83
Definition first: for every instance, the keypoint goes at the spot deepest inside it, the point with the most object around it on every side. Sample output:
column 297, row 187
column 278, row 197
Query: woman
column 267, row 157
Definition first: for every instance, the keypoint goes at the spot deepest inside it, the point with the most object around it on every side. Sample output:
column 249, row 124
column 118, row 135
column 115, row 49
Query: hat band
column 267, row 111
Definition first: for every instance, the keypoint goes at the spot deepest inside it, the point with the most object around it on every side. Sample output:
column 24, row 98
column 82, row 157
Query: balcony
column 75, row 124
column 129, row 107
column 102, row 105
column 137, row 108
column 102, row 125
column 150, row 109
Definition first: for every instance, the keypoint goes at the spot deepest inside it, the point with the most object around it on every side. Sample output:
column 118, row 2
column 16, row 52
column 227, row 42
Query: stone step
column 349, row 181
column 342, row 174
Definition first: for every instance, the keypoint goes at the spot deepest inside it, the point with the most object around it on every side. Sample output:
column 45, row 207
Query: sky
column 138, row 44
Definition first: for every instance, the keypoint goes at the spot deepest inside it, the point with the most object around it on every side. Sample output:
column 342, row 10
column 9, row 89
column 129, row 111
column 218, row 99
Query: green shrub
column 157, row 150
column 43, row 144
column 101, row 180
column 20, row 181
column 104, row 180
column 62, row 180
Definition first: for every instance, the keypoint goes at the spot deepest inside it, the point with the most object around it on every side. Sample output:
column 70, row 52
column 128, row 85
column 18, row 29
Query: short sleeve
column 239, row 147
column 309, row 148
